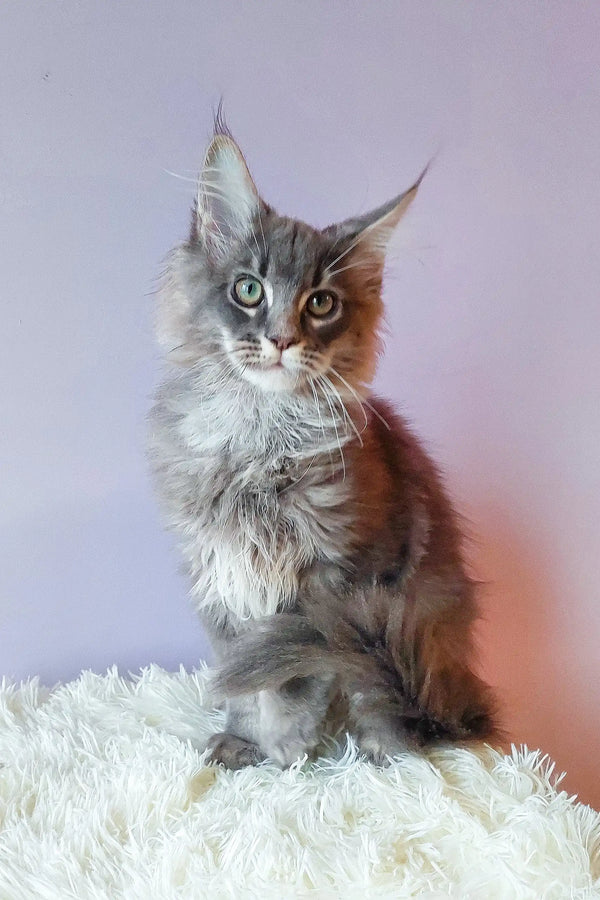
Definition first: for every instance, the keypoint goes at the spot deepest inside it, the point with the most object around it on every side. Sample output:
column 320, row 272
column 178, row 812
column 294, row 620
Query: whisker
column 263, row 234
column 180, row 177
column 362, row 400
column 322, row 427
column 333, row 417
column 356, row 265
column 354, row 394
column 347, row 416
column 363, row 234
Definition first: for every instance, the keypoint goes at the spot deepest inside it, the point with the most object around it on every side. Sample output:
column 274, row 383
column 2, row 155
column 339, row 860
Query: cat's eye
column 321, row 304
column 248, row 291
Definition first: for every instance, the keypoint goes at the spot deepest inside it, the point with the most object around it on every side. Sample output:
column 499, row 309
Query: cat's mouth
column 272, row 374
column 287, row 369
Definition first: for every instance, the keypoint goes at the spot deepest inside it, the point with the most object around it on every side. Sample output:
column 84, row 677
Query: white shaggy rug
column 103, row 794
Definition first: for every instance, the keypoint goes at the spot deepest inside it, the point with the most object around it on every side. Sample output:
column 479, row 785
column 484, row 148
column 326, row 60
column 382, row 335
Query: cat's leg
column 433, row 695
column 447, row 704
column 281, row 724
column 292, row 719
column 236, row 746
column 376, row 726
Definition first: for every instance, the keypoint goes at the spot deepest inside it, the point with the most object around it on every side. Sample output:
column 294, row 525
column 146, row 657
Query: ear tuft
column 227, row 198
column 220, row 126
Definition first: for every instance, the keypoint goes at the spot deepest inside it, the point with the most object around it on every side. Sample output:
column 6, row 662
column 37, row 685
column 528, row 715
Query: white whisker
column 333, row 418
column 180, row 177
column 264, row 240
column 337, row 398
column 361, row 400
column 363, row 234
column 321, row 425
column 356, row 265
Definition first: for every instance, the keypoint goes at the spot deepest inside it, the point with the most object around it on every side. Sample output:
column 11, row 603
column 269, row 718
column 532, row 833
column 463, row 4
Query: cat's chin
column 274, row 379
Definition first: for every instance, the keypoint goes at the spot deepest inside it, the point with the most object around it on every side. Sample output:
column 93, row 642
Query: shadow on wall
column 526, row 651
column 87, row 587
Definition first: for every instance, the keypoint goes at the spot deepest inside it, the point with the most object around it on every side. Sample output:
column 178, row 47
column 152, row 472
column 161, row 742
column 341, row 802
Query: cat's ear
column 227, row 199
column 372, row 231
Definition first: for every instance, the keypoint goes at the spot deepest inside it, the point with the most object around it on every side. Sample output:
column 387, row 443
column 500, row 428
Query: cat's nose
column 282, row 343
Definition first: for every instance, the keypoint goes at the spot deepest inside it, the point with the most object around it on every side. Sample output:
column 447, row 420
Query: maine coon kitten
column 324, row 556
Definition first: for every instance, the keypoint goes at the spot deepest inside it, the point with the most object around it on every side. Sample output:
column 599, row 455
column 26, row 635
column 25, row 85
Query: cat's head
column 273, row 300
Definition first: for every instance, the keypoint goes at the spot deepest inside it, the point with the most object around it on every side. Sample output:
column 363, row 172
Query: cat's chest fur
column 255, row 513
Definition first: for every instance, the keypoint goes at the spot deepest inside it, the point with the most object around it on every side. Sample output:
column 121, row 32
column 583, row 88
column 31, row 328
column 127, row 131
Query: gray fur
column 316, row 582
column 247, row 485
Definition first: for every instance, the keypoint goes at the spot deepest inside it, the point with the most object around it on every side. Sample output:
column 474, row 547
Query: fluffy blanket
column 104, row 794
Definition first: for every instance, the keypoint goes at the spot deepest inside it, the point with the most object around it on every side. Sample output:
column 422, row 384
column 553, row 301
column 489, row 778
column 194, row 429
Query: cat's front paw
column 232, row 751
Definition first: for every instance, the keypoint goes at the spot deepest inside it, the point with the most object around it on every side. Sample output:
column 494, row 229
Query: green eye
column 321, row 304
column 248, row 291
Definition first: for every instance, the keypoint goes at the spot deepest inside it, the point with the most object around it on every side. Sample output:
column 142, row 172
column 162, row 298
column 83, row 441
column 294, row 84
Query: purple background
column 493, row 302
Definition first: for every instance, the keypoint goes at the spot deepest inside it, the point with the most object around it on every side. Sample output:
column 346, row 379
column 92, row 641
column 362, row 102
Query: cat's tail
column 283, row 647
column 278, row 649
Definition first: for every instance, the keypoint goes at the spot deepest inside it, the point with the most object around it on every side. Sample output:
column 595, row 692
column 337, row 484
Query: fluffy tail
column 282, row 647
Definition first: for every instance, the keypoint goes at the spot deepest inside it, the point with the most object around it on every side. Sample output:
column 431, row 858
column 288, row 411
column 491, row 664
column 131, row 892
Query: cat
column 324, row 554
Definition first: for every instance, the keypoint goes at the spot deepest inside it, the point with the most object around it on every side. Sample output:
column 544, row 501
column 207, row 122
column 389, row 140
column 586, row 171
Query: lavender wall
column 493, row 300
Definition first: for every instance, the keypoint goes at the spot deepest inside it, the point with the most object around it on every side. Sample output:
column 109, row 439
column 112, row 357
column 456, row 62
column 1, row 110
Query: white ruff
column 102, row 796
column 247, row 483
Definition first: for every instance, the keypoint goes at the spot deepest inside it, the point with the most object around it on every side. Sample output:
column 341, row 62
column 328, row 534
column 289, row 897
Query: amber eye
column 321, row 303
column 248, row 291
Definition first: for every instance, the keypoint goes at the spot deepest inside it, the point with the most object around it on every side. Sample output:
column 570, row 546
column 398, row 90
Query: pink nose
column 282, row 343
